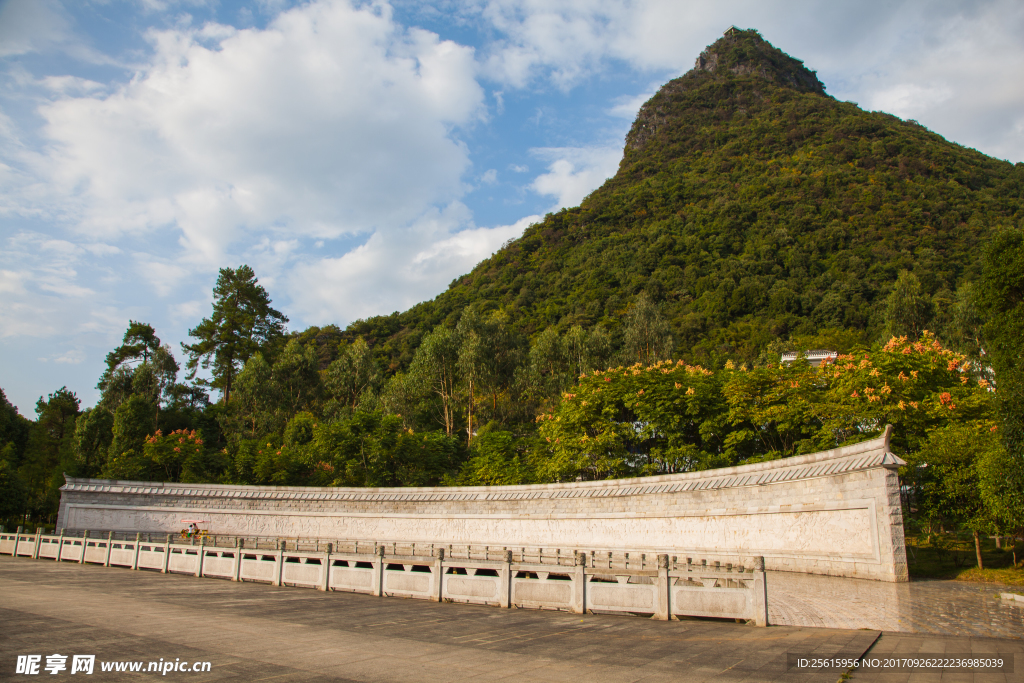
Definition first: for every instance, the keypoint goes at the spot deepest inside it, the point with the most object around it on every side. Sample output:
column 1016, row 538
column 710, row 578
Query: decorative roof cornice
column 863, row 456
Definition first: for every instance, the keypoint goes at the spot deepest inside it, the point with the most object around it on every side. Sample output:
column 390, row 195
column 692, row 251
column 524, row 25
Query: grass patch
column 1008, row 576
column 951, row 556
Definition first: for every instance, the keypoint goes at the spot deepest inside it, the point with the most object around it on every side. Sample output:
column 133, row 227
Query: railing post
column 202, row 555
column 438, row 593
column 664, row 588
column 279, row 565
column 135, row 557
column 110, row 543
column 60, row 545
column 167, row 555
column 760, row 597
column 505, row 598
column 378, row 574
column 85, row 545
column 39, row 538
column 325, row 579
column 579, row 584
column 236, row 570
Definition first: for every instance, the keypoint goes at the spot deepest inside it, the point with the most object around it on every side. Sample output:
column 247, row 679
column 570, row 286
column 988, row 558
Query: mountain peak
column 738, row 57
column 746, row 53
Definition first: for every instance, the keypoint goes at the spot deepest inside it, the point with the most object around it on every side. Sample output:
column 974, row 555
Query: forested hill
column 753, row 207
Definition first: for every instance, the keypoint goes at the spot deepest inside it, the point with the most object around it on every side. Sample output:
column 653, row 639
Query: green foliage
column 436, row 369
column 1001, row 484
column 134, row 420
column 347, row 378
column 907, row 310
column 254, row 412
column 363, row 449
column 13, row 498
column 647, row 337
column 497, row 459
column 947, row 469
column 1003, row 302
column 297, row 378
column 14, row 429
column 94, row 432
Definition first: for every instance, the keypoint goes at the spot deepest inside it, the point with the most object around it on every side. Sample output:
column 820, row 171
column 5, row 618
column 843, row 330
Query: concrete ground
column 256, row 632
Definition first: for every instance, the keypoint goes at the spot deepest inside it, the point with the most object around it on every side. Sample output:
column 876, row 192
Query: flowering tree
column 670, row 416
column 665, row 417
column 170, row 454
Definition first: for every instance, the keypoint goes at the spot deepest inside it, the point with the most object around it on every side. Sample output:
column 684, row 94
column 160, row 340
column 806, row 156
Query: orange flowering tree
column 171, row 454
column 915, row 386
column 670, row 416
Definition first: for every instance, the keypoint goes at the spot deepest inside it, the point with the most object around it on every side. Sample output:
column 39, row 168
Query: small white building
column 816, row 356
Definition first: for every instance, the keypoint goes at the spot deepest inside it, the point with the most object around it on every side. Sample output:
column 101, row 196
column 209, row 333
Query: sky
column 360, row 156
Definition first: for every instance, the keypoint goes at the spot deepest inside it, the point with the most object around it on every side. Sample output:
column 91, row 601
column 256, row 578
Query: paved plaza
column 949, row 608
column 256, row 632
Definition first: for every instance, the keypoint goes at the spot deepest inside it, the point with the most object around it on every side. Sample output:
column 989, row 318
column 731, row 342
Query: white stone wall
column 835, row 512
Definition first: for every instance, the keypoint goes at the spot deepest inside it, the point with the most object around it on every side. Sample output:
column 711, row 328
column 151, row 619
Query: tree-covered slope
column 753, row 207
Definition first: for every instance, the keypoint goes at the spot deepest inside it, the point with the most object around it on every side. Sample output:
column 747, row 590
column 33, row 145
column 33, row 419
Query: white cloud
column 331, row 121
column 71, row 357
column 388, row 273
column 574, row 172
column 627, row 107
column 961, row 78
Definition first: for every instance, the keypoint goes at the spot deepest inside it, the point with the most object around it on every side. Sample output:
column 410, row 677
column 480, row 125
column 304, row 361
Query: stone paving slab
column 940, row 607
column 904, row 644
column 256, row 632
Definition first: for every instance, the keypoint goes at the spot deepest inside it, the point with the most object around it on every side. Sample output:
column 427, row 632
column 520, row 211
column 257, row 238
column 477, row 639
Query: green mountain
column 752, row 207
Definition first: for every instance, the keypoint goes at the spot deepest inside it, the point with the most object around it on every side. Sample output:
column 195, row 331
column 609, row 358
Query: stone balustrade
column 660, row 585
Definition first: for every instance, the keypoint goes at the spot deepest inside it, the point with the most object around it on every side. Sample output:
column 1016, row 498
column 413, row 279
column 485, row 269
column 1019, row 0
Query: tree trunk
column 469, row 426
column 977, row 548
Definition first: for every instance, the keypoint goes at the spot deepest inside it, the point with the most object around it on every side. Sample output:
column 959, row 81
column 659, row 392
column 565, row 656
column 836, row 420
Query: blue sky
column 359, row 156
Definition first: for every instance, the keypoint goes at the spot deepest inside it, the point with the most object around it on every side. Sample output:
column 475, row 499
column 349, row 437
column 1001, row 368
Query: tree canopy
column 243, row 322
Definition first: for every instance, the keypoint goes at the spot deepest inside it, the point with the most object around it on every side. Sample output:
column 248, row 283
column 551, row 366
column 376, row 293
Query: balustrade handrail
column 585, row 580
column 597, row 558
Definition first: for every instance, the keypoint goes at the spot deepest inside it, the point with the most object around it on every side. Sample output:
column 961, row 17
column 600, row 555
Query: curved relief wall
column 836, row 512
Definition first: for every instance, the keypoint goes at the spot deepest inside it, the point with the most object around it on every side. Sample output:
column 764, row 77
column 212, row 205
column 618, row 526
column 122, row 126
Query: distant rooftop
column 815, row 356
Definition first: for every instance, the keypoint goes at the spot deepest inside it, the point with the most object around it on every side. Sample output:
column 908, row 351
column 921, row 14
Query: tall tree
column 243, row 322
column 297, row 378
column 259, row 397
column 57, row 413
column 351, row 374
column 648, row 336
column 94, row 430
column 436, row 369
column 138, row 345
column 907, row 310
column 139, row 365
column 548, row 364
